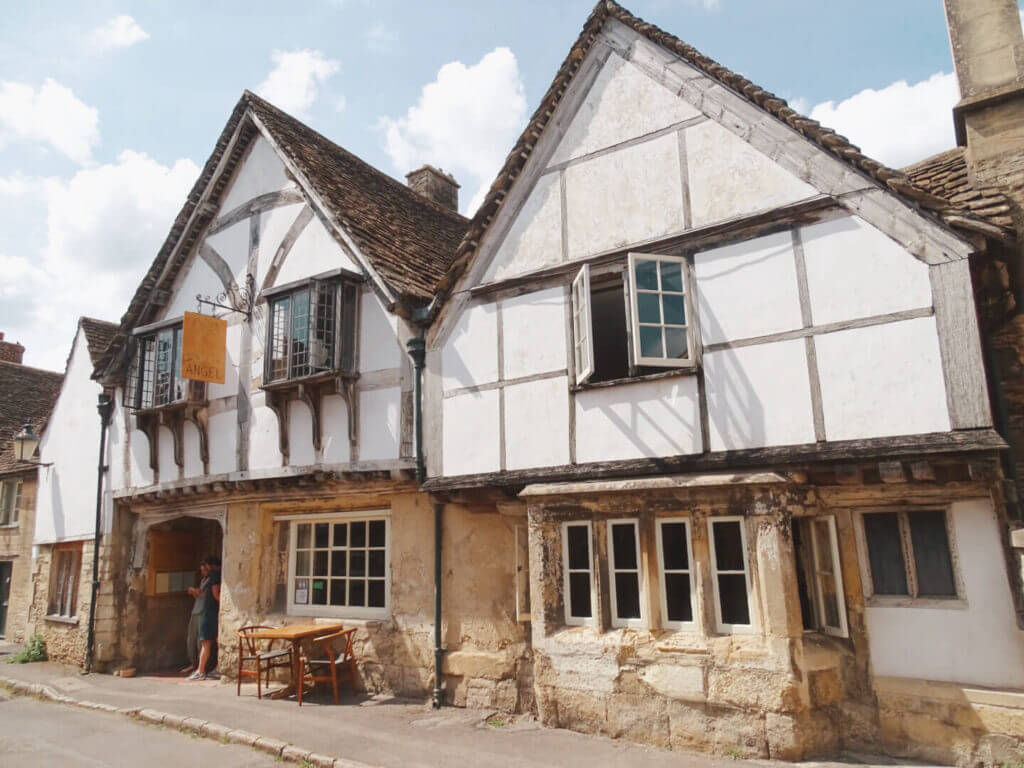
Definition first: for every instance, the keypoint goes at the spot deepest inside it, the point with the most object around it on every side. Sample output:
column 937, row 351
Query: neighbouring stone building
column 26, row 396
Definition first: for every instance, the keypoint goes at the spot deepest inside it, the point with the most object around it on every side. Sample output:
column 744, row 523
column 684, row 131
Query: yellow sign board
column 203, row 347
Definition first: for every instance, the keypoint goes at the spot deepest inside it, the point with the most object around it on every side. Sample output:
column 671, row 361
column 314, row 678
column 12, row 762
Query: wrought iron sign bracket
column 234, row 300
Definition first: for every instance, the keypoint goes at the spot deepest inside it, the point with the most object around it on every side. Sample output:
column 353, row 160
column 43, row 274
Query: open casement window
column 675, row 572
column 659, row 315
column 624, row 573
column 578, row 573
column 64, row 570
column 10, row 501
column 822, row 603
column 340, row 565
column 730, row 574
column 909, row 554
column 312, row 330
column 154, row 378
column 582, row 326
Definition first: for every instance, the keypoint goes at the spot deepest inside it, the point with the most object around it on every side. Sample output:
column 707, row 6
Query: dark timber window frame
column 65, row 573
column 154, row 378
column 817, row 556
column 647, row 305
column 910, row 561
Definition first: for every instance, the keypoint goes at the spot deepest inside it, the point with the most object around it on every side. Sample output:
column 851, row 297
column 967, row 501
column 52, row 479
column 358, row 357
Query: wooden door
column 5, row 594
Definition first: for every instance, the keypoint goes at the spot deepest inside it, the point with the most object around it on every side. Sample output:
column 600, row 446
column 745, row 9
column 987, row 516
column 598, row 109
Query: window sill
column 9, row 526
column 314, row 378
column 901, row 601
column 177, row 405
column 69, row 620
column 689, row 370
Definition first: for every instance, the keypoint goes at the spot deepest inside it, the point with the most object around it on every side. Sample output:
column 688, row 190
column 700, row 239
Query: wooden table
column 295, row 634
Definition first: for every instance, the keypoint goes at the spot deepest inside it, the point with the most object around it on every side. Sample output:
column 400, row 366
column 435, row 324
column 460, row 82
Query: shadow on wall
column 57, row 505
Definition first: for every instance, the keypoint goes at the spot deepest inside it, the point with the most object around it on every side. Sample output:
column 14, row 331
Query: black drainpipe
column 438, row 695
column 104, row 405
column 417, row 347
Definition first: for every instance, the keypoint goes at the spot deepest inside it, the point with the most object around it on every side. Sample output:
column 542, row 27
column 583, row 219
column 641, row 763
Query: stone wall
column 16, row 548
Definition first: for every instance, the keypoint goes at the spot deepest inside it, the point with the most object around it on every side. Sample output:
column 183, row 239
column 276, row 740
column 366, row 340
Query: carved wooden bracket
column 174, row 417
column 148, row 424
column 312, row 393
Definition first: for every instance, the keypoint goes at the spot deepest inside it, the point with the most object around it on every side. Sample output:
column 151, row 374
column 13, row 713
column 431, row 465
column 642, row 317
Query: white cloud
column 50, row 115
column 104, row 227
column 294, row 82
column 118, row 32
column 899, row 124
column 380, row 38
column 465, row 121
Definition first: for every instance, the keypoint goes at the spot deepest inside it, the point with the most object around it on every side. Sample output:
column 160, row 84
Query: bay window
column 155, row 377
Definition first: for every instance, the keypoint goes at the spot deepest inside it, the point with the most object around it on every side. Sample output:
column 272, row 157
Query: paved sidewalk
column 379, row 732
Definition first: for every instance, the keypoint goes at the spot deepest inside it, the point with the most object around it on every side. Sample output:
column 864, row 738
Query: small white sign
column 301, row 596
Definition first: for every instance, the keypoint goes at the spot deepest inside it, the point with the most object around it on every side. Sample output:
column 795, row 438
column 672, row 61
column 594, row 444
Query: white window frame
column 10, row 489
column 634, row 317
column 338, row 611
column 570, row 620
column 662, row 571
column 582, row 326
column 613, row 569
column 836, row 572
column 721, row 626
column 957, row 601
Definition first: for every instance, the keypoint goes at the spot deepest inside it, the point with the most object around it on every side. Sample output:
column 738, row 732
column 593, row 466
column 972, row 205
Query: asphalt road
column 42, row 734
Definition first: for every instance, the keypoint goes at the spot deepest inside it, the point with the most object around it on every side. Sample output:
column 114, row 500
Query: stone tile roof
column 27, row 395
column 945, row 175
column 98, row 335
column 826, row 138
column 409, row 240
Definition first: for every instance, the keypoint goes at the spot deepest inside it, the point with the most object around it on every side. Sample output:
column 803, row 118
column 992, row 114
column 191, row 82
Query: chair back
column 327, row 643
column 246, row 642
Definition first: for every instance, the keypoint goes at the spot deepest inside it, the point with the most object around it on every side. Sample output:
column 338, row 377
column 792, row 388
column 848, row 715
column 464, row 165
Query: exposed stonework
column 16, row 548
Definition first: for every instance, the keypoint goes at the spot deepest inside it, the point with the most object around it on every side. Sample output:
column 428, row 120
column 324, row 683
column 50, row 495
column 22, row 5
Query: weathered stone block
column 494, row 666
column 825, row 687
column 506, row 695
column 755, row 689
column 582, row 711
column 480, row 693
column 638, row 718
column 798, row 737
column 676, row 681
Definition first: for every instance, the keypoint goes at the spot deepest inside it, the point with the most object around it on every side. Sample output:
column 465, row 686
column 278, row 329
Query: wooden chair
column 264, row 661
column 337, row 665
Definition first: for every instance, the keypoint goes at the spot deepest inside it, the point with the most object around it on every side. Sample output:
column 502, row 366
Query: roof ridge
column 388, row 178
column 96, row 320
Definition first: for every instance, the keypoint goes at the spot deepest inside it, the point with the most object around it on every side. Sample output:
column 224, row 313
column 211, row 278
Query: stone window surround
column 909, row 601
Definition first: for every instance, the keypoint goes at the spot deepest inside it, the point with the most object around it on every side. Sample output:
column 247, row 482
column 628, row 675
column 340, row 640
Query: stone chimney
column 435, row 184
column 10, row 353
column 988, row 53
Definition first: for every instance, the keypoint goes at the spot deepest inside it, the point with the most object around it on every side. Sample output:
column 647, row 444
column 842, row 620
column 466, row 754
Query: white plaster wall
column 728, row 177
column 980, row 645
column 853, row 270
column 646, row 419
column 533, row 333
column 622, row 103
column 165, row 455
column 534, row 240
column 232, row 245
column 66, row 496
column 193, row 460
column 624, row 197
column 138, row 459
column 199, row 279
column 748, row 289
column 470, row 355
column 334, row 439
column 264, row 445
column 261, row 172
column 537, row 424
column 300, row 434
column 313, row 253
column 117, row 435
column 223, row 441
column 883, row 380
column 471, row 437
column 274, row 225
column 378, row 336
column 759, row 396
column 379, row 424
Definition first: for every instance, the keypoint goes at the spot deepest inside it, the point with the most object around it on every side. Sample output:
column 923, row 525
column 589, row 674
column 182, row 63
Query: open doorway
column 174, row 551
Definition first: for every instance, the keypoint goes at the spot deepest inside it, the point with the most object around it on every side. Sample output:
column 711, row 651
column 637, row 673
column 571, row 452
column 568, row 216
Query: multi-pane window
column 339, row 566
column 909, row 553
column 628, row 323
column 64, row 570
column 155, row 378
column 311, row 330
column 624, row 572
column 819, row 577
column 10, row 501
column 729, row 573
column 675, row 558
column 577, row 568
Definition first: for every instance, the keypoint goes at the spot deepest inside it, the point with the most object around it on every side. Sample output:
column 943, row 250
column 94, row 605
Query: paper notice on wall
column 301, row 596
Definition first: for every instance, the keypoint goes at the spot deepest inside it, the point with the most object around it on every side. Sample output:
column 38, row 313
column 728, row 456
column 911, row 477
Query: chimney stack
column 10, row 353
column 435, row 184
column 988, row 53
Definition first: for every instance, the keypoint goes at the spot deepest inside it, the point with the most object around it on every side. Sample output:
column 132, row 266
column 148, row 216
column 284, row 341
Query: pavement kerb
column 190, row 725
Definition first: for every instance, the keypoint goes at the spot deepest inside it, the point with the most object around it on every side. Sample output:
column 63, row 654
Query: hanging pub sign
column 203, row 346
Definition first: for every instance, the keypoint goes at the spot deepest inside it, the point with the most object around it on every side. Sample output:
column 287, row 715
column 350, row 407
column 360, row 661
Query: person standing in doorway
column 192, row 633
column 208, row 600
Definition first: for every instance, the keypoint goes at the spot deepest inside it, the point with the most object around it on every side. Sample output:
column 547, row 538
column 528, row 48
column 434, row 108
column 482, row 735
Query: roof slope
column 408, row 239
column 826, row 138
column 27, row 395
column 98, row 335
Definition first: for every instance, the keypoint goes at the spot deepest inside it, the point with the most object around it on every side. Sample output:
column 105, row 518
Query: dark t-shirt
column 206, row 603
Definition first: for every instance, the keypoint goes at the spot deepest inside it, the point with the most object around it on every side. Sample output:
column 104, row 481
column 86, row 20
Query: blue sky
column 107, row 109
